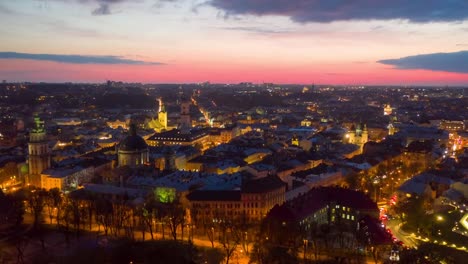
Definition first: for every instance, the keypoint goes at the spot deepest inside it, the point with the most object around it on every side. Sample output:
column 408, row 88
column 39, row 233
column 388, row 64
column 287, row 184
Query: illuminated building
column 358, row 136
column 224, row 135
column 306, row 123
column 133, row 150
column 387, row 110
column 178, row 137
column 295, row 140
column 159, row 124
column 162, row 114
column 64, row 178
column 452, row 126
column 411, row 133
column 73, row 173
column 249, row 204
column 118, row 123
column 69, row 121
column 326, row 205
column 39, row 153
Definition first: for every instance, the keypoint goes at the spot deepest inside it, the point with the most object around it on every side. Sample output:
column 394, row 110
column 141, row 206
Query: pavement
column 408, row 240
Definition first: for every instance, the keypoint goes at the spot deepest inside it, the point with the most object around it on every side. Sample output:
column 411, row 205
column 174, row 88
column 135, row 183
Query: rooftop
column 185, row 180
column 317, row 198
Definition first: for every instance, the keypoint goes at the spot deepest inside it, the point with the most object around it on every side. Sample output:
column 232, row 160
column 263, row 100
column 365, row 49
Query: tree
column 11, row 210
column 277, row 241
column 210, row 232
column 176, row 215
column 21, row 242
column 313, row 236
column 229, row 238
column 148, row 215
column 104, row 210
column 8, row 171
column 36, row 201
column 411, row 210
column 53, row 200
column 431, row 253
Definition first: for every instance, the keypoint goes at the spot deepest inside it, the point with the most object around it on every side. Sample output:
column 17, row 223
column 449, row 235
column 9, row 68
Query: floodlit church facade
column 358, row 135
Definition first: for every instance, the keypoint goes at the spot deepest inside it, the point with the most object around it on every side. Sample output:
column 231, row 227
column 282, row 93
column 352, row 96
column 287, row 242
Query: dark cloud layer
column 337, row 10
column 447, row 62
column 107, row 7
column 75, row 59
column 103, row 9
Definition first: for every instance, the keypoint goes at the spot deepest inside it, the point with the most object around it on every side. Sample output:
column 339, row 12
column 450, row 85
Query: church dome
column 133, row 142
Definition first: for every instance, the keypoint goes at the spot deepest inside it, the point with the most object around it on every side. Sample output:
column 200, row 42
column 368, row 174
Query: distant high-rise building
column 39, row 153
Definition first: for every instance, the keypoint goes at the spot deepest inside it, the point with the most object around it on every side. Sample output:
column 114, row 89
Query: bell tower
column 39, row 153
column 162, row 114
column 185, row 122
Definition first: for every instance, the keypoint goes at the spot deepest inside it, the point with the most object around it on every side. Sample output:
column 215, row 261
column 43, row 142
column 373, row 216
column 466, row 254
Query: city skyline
column 177, row 41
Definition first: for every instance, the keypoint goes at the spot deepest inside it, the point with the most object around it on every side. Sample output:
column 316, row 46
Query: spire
column 358, row 128
column 162, row 108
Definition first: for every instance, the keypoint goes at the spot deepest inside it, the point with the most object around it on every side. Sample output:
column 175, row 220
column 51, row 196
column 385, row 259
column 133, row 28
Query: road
column 395, row 226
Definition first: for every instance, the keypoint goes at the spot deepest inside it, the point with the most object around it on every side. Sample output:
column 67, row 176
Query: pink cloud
column 344, row 73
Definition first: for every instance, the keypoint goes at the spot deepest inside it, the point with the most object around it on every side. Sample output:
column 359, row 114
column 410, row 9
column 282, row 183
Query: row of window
column 236, row 205
column 38, row 150
column 230, row 212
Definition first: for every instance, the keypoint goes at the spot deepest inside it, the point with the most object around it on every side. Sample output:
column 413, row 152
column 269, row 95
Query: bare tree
column 176, row 215
column 148, row 215
column 230, row 237
column 21, row 242
column 36, row 203
column 104, row 211
column 210, row 232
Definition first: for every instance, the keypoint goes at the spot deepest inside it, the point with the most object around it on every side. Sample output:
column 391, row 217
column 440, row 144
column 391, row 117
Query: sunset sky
column 230, row 41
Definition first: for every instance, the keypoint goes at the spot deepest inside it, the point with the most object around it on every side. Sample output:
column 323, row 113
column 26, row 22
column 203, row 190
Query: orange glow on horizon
column 344, row 73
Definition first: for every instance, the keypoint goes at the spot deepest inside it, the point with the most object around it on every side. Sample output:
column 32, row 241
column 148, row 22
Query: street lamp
column 305, row 248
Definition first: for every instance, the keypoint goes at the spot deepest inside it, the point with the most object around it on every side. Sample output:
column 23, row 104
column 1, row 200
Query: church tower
column 352, row 135
column 162, row 114
column 358, row 135
column 39, row 153
column 185, row 122
column 295, row 140
column 391, row 126
column 365, row 135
